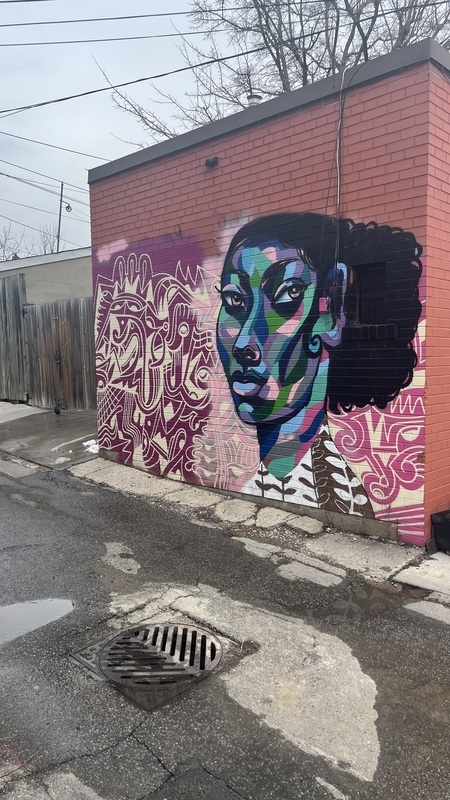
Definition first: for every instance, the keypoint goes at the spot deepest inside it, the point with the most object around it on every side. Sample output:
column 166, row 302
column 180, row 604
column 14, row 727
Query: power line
column 96, row 19
column 39, row 230
column 34, row 208
column 222, row 59
column 43, row 175
column 24, row 205
column 52, row 191
column 113, row 39
column 4, row 2
column 35, row 185
column 80, row 219
column 126, row 83
column 113, row 19
column 19, row 109
column 133, row 16
column 164, row 14
column 46, row 144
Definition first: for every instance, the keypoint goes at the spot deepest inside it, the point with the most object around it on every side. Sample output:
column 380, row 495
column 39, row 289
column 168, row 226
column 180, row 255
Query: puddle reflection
column 21, row 618
column 362, row 603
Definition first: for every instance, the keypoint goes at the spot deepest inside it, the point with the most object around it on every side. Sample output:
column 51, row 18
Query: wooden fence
column 47, row 352
column 13, row 381
column 59, row 340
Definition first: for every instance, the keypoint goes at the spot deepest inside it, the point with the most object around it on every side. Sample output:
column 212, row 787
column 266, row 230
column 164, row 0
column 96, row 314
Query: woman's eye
column 286, row 294
column 233, row 299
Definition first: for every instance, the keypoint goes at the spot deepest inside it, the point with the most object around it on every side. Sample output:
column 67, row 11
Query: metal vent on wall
column 159, row 654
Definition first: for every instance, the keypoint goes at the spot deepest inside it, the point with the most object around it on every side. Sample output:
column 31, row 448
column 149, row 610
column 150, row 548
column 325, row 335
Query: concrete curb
column 299, row 541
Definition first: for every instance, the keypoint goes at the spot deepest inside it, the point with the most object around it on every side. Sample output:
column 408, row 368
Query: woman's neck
column 283, row 446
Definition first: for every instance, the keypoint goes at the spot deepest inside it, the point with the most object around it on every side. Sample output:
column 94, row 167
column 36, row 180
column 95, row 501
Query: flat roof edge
column 369, row 71
column 48, row 258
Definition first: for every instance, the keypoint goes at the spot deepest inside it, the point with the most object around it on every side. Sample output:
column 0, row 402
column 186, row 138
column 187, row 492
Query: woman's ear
column 334, row 290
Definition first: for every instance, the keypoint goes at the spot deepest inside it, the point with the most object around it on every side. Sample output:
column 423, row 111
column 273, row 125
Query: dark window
column 368, row 305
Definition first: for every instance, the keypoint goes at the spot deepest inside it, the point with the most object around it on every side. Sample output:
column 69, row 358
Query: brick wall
column 183, row 215
column 284, row 161
column 437, row 463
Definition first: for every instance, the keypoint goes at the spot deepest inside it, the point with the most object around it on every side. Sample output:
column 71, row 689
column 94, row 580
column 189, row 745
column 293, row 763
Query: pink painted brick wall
column 280, row 165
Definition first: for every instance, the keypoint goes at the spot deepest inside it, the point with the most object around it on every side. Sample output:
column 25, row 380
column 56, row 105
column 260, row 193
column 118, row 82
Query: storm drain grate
column 159, row 654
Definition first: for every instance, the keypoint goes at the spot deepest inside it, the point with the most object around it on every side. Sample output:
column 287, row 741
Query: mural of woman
column 287, row 294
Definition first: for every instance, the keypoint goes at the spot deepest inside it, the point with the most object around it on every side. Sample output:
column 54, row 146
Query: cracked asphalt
column 65, row 735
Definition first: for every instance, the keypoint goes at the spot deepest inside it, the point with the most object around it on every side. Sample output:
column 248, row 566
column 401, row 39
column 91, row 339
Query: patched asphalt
column 61, row 728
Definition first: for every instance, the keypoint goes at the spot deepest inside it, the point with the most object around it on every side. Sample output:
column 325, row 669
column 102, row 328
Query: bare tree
column 297, row 42
column 47, row 241
column 11, row 245
column 15, row 245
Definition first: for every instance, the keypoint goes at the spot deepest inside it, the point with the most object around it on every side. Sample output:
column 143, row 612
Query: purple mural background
column 153, row 359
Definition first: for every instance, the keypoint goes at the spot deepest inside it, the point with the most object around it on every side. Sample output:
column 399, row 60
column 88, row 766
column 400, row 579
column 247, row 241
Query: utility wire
column 218, row 12
column 4, row 2
column 24, row 205
column 39, row 230
column 43, row 210
column 174, row 13
column 132, row 16
column 178, row 13
column 113, row 39
column 43, row 189
column 96, row 19
column 126, row 83
column 43, row 175
column 46, row 144
column 37, row 184
column 19, row 109
column 79, row 219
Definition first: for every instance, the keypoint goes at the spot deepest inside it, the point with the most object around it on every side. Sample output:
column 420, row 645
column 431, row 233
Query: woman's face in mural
column 268, row 332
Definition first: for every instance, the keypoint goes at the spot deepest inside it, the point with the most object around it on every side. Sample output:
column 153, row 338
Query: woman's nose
column 248, row 355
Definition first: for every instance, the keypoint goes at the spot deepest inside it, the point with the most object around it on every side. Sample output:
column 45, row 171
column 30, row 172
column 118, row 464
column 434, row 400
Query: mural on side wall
column 290, row 367
column 280, row 340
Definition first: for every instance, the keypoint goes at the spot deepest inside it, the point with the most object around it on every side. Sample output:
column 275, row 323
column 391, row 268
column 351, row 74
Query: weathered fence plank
column 60, row 353
column 13, row 377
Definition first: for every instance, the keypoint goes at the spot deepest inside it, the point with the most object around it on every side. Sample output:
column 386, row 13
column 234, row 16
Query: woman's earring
column 314, row 345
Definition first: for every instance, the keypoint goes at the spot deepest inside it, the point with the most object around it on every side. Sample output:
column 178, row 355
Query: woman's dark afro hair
column 370, row 368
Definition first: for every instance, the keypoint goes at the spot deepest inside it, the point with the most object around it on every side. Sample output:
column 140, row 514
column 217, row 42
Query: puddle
column 21, row 618
column 364, row 602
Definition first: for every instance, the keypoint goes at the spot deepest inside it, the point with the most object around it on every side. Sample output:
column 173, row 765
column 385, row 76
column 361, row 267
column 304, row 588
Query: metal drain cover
column 159, row 654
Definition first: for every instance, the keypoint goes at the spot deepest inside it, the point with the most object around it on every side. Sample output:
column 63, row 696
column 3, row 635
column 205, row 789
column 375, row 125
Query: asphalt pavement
column 328, row 688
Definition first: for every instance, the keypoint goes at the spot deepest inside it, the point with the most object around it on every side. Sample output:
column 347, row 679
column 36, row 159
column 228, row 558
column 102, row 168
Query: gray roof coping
column 48, row 258
column 368, row 72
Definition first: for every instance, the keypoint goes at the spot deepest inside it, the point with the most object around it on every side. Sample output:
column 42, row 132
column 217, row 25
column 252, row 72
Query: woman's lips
column 247, row 388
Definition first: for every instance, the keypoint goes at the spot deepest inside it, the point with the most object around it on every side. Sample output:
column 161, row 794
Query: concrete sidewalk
column 299, row 546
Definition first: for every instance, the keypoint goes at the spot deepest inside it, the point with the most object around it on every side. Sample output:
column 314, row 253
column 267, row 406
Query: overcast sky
column 31, row 74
